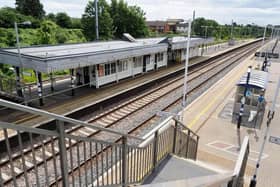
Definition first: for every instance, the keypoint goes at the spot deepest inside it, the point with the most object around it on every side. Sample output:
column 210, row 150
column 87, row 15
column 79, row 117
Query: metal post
column 52, row 81
column 96, row 20
column 155, row 151
column 19, row 90
column 72, row 82
column 174, row 138
column 187, row 143
column 40, row 87
column 231, row 32
column 243, row 100
column 264, row 33
column 272, row 31
column 186, row 66
column 62, row 153
column 270, row 116
column 20, row 61
column 124, row 168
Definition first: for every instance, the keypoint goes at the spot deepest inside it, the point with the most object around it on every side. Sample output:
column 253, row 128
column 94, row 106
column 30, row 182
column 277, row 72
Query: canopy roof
column 258, row 79
column 51, row 58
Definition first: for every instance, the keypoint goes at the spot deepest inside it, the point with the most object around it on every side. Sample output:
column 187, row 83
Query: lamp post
column 96, row 20
column 231, row 32
column 270, row 116
column 264, row 33
column 186, row 66
column 19, row 57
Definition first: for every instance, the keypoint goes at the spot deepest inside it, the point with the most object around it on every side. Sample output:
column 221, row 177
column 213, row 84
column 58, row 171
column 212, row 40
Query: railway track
column 110, row 119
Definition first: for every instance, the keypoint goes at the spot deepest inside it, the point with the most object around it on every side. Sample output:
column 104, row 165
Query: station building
column 99, row 63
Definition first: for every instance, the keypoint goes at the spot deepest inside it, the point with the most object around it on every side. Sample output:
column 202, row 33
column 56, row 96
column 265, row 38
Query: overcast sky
column 260, row 12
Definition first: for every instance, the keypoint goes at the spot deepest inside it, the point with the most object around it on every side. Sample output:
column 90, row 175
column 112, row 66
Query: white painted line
column 264, row 155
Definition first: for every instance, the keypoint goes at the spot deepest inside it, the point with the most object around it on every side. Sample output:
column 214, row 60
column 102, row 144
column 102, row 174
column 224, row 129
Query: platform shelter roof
column 50, row 58
column 258, row 79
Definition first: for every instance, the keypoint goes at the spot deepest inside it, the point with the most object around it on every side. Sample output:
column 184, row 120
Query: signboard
column 275, row 140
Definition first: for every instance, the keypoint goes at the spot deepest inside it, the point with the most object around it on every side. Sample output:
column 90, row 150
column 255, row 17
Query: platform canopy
column 258, row 79
column 52, row 58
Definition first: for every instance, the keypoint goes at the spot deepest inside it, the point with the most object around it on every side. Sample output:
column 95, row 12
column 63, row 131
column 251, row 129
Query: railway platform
column 65, row 104
column 210, row 117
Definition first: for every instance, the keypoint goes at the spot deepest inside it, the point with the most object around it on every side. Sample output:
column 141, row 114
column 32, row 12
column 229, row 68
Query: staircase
column 167, row 156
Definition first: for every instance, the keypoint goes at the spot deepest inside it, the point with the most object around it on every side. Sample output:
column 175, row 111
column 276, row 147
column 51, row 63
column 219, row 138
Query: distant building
column 182, row 27
column 158, row 26
column 170, row 25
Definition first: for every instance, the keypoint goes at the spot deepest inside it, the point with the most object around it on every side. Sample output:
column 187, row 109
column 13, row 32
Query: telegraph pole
column 96, row 20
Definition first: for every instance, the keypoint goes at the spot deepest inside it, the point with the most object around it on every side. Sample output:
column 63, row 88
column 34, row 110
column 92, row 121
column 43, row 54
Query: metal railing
column 39, row 157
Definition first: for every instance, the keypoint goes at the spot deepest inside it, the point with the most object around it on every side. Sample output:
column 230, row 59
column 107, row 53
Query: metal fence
column 38, row 157
column 8, row 85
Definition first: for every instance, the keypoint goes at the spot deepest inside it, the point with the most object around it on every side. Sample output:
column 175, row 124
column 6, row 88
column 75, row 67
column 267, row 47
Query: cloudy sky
column 260, row 12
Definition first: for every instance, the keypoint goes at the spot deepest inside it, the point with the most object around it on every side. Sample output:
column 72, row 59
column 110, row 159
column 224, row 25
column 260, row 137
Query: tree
column 128, row 19
column 63, row 20
column 200, row 31
column 47, row 32
column 8, row 16
column 105, row 21
column 76, row 23
column 51, row 17
column 30, row 8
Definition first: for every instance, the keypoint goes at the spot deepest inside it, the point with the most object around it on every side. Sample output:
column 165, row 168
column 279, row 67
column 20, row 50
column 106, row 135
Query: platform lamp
column 270, row 116
column 184, row 103
column 19, row 56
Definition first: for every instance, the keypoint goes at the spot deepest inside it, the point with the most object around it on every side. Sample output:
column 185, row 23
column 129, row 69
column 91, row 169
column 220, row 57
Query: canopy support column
column 40, row 87
column 52, row 81
column 72, row 82
column 18, row 84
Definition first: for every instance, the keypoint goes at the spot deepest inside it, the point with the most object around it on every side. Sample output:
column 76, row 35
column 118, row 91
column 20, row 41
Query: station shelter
column 95, row 64
column 254, row 107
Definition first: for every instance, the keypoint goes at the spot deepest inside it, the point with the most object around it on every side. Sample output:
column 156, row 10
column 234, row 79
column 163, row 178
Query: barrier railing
column 60, row 157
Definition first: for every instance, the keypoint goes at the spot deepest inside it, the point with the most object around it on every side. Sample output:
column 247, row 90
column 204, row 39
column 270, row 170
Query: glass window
column 120, row 69
column 122, row 65
column 100, row 69
column 137, row 61
column 107, row 69
column 113, row 68
column 125, row 65
column 148, row 60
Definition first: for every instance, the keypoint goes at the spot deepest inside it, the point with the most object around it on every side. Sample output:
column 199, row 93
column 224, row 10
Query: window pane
column 113, row 68
column 101, row 70
column 107, row 69
column 120, row 69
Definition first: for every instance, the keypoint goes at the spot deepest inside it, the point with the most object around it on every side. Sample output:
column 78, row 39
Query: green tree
column 9, row 15
column 30, row 8
column 104, row 18
column 47, row 32
column 63, row 20
column 128, row 19
column 199, row 30
column 51, row 16
column 76, row 23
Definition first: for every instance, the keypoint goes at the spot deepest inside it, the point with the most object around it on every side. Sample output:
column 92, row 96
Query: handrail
column 185, row 127
column 62, row 118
